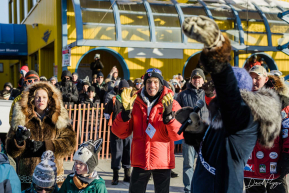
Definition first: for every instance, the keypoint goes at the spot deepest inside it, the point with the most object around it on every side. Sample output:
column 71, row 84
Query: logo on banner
column 273, row 155
column 260, row 155
column 273, row 167
column 262, row 168
column 284, row 133
column 46, row 36
column 249, row 168
column 285, row 123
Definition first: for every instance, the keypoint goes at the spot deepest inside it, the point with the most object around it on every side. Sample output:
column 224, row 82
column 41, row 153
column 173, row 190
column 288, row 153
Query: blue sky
column 4, row 11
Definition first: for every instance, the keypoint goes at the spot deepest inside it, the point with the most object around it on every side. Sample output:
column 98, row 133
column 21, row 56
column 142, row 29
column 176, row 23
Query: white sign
column 66, row 55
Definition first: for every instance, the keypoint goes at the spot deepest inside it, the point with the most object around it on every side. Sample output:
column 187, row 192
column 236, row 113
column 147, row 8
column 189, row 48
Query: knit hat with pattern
column 45, row 172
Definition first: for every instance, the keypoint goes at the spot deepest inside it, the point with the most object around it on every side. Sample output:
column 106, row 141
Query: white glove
column 204, row 30
column 107, row 116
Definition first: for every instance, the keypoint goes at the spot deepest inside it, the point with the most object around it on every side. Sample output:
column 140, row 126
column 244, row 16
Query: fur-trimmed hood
column 265, row 106
column 24, row 109
column 280, row 87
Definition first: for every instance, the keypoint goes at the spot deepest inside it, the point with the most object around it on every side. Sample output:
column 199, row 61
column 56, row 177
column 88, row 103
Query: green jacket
column 97, row 186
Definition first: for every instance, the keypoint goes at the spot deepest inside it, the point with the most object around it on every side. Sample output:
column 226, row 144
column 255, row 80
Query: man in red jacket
column 269, row 165
column 149, row 114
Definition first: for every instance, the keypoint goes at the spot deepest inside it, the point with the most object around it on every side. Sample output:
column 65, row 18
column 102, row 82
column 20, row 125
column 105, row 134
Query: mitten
column 196, row 125
column 204, row 30
column 283, row 164
column 127, row 101
column 22, row 134
column 209, row 88
column 36, row 148
column 168, row 108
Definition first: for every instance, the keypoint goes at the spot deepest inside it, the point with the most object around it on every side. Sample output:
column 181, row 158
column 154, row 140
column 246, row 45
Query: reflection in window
column 95, row 4
column 131, row 7
column 253, row 26
column 193, row 11
column 163, row 9
column 279, row 28
column 133, row 19
column 99, row 32
column 135, row 33
column 255, row 39
column 168, row 34
column 167, row 21
column 97, row 17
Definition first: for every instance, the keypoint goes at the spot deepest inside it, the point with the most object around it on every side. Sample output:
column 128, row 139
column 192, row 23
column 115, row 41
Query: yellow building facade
column 136, row 35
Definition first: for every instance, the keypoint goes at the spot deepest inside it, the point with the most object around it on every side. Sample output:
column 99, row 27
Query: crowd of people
column 239, row 136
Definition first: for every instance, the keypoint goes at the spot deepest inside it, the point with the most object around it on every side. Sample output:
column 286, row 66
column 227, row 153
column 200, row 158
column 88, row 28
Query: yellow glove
column 127, row 101
column 168, row 108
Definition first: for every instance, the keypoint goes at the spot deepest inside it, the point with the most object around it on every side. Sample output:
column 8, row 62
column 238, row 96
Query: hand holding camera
column 22, row 134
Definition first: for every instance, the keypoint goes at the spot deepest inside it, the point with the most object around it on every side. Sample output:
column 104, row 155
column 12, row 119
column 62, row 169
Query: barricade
column 89, row 123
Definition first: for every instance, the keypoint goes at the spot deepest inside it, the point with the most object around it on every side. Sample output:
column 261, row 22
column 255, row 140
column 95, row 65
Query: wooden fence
column 89, row 123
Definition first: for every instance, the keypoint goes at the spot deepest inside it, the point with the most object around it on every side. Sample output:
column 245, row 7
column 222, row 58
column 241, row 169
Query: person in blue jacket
column 9, row 181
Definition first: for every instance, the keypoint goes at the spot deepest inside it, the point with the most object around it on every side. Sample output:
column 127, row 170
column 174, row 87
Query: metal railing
column 89, row 123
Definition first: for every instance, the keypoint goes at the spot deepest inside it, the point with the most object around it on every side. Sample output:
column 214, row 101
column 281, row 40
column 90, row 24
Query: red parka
column 147, row 153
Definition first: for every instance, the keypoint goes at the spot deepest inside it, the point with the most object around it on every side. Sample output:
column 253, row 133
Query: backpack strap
column 110, row 119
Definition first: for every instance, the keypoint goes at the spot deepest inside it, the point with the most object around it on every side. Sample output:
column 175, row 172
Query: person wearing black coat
column 96, row 66
column 78, row 82
column 237, row 115
column 120, row 148
column 67, row 88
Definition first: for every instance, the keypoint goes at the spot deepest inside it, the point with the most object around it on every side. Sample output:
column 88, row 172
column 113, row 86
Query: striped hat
column 45, row 172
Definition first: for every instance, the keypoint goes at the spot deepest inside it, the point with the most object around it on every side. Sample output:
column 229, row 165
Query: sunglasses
column 174, row 83
column 154, row 70
column 37, row 188
column 138, row 83
column 31, row 81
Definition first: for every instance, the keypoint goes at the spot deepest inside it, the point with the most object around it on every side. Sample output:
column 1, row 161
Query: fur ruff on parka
column 55, row 130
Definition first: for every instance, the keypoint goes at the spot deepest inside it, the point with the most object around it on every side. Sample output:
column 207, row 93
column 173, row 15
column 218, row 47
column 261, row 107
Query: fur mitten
column 209, row 88
column 197, row 126
column 204, row 30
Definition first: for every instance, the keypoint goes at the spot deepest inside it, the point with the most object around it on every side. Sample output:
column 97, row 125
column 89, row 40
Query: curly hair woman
column 39, row 123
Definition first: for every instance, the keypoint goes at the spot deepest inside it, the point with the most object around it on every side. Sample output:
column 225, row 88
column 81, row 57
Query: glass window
column 131, row 7
column 163, row 9
column 233, row 35
column 225, row 24
column 97, row 17
column 244, row 15
column 99, row 32
column 190, row 2
column 135, row 33
column 133, row 19
column 255, row 39
column 253, row 26
column 168, row 35
column 279, row 28
column 95, row 4
column 193, row 11
column 222, row 13
column 272, row 16
column 166, row 21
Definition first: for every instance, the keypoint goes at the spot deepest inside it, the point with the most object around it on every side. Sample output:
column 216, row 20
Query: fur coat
column 55, row 129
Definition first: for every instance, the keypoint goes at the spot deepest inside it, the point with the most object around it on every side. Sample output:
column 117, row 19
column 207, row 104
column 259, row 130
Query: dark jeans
column 120, row 152
column 271, row 186
column 140, row 177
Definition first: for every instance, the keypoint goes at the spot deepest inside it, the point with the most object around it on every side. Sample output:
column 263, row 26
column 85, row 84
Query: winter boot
column 126, row 175
column 115, row 177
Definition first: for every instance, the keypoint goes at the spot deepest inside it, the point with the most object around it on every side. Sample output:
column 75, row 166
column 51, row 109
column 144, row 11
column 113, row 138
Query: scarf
column 147, row 101
column 82, row 181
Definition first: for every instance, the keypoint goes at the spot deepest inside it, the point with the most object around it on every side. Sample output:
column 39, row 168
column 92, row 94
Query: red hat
column 25, row 68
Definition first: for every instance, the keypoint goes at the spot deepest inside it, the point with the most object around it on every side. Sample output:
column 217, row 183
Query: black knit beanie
column 31, row 74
